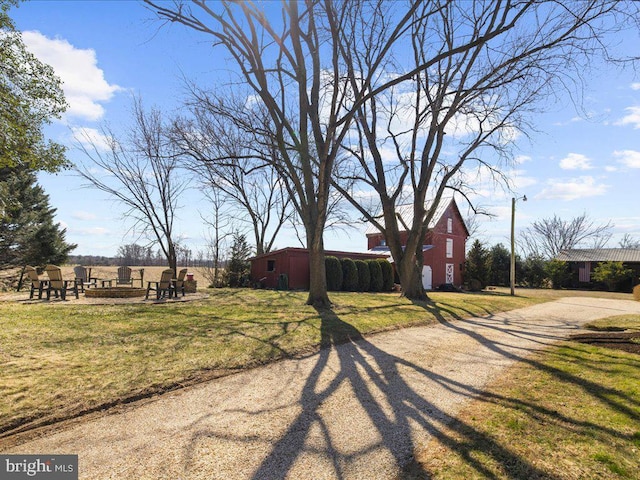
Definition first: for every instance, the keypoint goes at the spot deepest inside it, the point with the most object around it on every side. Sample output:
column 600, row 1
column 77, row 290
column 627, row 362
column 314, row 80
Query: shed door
column 449, row 273
column 426, row 277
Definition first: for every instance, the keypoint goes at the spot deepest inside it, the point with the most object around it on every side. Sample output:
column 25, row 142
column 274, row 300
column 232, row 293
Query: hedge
column 375, row 272
column 364, row 277
column 334, row 273
column 349, row 275
column 387, row 275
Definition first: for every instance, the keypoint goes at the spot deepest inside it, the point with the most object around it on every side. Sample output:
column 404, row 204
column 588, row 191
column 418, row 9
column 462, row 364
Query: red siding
column 294, row 262
column 436, row 256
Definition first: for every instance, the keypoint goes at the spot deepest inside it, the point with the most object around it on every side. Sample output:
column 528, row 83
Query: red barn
column 294, row 262
column 444, row 253
column 443, row 247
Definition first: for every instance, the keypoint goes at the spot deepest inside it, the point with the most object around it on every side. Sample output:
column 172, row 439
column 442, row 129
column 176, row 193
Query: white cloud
column 573, row 189
column 575, row 161
column 632, row 118
column 90, row 231
column 84, row 85
column 520, row 159
column 611, row 168
column 81, row 215
column 91, row 138
column 635, row 86
column 630, row 158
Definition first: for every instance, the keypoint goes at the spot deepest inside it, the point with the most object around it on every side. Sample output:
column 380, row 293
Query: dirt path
column 351, row 412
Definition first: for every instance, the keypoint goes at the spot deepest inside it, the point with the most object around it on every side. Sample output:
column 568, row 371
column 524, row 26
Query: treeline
column 486, row 266
column 134, row 254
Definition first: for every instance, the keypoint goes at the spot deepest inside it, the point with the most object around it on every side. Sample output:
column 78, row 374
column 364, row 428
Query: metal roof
column 600, row 255
column 406, row 214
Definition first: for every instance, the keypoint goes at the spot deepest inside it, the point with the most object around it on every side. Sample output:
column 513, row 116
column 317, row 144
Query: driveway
column 354, row 411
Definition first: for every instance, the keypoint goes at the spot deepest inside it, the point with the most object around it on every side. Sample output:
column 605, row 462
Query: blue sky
column 576, row 162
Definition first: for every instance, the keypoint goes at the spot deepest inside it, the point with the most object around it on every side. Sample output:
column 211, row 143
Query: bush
column 349, row 275
column 334, row 273
column 636, row 293
column 364, row 277
column 611, row 274
column 375, row 272
column 558, row 272
column 533, row 272
column 387, row 275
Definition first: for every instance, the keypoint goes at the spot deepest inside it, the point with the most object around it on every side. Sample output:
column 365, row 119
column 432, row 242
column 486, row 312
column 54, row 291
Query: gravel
column 356, row 411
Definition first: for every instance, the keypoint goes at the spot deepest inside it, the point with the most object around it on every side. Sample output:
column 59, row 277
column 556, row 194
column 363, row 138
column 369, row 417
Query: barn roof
column 599, row 255
column 406, row 214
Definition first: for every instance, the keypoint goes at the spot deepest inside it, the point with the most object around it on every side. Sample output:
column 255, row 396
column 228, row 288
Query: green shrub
column 334, row 273
column 611, row 274
column 349, row 275
column 533, row 272
column 558, row 273
column 387, row 275
column 364, row 277
column 375, row 272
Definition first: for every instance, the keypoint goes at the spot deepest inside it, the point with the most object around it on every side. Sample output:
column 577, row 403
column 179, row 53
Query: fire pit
column 115, row 292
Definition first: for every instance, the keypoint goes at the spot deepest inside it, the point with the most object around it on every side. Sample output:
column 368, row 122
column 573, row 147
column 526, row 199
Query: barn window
column 383, row 242
column 449, row 225
column 271, row 265
column 449, row 248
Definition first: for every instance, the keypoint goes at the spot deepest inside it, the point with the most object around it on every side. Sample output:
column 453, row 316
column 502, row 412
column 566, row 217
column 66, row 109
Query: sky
column 578, row 160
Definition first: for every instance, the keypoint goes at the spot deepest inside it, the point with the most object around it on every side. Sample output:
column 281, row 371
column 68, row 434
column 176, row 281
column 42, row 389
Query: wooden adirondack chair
column 124, row 276
column 178, row 283
column 37, row 283
column 84, row 278
column 164, row 287
column 57, row 284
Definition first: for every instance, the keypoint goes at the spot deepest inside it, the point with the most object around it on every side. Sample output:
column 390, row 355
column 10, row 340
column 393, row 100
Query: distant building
column 582, row 261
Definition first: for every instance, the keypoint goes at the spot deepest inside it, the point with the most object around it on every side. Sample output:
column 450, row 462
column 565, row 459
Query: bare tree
column 478, row 70
column 232, row 149
column 220, row 227
column 296, row 69
column 141, row 171
column 629, row 242
column 545, row 238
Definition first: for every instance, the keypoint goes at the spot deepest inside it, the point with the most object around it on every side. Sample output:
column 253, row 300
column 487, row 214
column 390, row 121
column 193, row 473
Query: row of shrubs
column 358, row 275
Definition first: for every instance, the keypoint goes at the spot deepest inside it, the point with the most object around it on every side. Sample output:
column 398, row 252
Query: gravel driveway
column 356, row 411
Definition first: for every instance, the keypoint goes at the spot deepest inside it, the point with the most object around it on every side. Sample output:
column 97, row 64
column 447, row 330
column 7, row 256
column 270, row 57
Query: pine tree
column 28, row 234
column 477, row 265
column 238, row 268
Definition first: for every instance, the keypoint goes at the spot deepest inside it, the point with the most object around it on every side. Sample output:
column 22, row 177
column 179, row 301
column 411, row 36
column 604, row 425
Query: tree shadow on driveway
column 393, row 407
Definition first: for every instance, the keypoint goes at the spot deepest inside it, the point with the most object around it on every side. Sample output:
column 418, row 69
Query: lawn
column 59, row 360
column 570, row 412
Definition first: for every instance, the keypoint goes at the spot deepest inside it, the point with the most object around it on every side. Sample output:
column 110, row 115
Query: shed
column 583, row 260
column 294, row 262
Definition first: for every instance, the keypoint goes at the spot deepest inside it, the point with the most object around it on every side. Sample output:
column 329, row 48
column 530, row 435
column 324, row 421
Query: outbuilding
column 294, row 263
column 582, row 261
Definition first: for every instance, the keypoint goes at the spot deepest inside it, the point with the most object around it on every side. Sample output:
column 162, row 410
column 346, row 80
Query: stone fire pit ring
column 115, row 292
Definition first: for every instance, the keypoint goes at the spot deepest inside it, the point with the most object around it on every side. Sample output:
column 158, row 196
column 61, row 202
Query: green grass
column 59, row 360
column 618, row 323
column 570, row 412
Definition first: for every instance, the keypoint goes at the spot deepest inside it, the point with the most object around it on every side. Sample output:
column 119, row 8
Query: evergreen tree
column 28, row 234
column 500, row 265
column 238, row 268
column 477, row 265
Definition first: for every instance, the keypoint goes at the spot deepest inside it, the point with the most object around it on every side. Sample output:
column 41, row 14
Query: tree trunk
column 318, row 296
column 411, row 279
